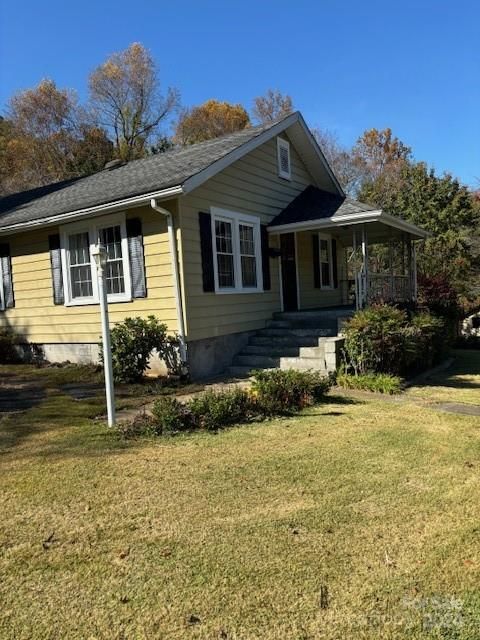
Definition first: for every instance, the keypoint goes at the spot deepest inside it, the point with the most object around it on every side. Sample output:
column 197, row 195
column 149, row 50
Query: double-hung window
column 237, row 252
column 326, row 262
column 79, row 269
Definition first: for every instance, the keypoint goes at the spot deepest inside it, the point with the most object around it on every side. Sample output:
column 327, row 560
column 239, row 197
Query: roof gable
column 173, row 172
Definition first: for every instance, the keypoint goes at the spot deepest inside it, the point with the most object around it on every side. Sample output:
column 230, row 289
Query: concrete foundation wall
column 80, row 353
column 211, row 356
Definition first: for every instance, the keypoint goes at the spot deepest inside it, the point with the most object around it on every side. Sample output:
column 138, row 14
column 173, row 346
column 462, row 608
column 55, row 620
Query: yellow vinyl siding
column 250, row 186
column 311, row 297
column 38, row 320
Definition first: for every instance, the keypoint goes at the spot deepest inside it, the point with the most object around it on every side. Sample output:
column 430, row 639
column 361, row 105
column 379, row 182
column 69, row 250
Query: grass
column 376, row 382
column 352, row 520
column 460, row 383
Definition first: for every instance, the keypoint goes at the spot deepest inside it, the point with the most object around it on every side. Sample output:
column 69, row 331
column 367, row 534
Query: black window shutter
column 6, row 260
column 335, row 265
column 206, row 248
column 56, row 264
column 136, row 258
column 267, row 284
column 316, row 261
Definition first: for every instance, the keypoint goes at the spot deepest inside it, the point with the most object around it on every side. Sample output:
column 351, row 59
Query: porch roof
column 318, row 209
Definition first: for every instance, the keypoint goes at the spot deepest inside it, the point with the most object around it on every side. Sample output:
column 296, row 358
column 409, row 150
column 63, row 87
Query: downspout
column 172, row 241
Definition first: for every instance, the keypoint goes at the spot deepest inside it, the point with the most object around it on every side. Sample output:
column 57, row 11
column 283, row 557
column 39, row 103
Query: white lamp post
column 100, row 255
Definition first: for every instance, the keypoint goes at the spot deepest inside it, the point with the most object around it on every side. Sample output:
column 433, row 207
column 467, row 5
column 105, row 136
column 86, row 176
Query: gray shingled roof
column 314, row 204
column 132, row 179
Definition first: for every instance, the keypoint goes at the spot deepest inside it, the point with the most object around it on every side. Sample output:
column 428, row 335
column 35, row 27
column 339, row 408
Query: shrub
column 437, row 294
column 142, row 424
column 215, row 410
column 280, row 392
column 374, row 339
column 8, row 351
column 377, row 382
column 426, row 340
column 171, row 416
column 133, row 341
column 383, row 339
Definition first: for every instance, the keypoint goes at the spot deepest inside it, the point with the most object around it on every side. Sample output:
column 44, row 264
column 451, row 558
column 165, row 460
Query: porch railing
column 388, row 287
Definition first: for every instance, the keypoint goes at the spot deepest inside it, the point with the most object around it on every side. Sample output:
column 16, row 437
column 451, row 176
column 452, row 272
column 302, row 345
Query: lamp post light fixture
column 99, row 253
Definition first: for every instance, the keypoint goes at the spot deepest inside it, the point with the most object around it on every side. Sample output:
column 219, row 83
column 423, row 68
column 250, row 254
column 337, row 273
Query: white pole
column 107, row 348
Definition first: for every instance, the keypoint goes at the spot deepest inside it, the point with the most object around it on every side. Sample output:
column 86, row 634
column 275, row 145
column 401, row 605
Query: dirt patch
column 19, row 396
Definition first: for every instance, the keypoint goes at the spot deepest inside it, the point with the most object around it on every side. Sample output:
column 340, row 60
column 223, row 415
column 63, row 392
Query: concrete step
column 256, row 362
column 236, row 371
column 271, row 350
column 311, row 352
column 303, row 364
column 284, row 340
column 304, row 323
column 326, row 313
column 300, row 333
column 278, row 324
column 243, row 371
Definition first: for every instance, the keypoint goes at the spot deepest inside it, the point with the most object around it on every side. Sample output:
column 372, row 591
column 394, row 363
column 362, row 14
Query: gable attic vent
column 283, row 157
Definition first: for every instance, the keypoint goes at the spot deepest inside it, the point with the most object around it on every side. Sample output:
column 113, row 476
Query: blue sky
column 349, row 66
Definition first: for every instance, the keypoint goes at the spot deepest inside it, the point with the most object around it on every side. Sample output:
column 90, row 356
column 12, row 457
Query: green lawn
column 357, row 519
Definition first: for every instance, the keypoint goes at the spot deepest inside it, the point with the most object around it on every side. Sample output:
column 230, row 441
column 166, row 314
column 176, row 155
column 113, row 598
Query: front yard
column 360, row 518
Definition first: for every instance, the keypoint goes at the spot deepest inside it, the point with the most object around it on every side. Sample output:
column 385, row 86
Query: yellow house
column 213, row 239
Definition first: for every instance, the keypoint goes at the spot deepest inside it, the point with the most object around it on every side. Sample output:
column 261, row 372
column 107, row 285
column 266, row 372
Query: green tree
column 441, row 205
column 210, row 120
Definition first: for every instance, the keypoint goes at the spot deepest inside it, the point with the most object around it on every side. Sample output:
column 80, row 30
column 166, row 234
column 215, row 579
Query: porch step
column 299, row 333
column 327, row 324
column 300, row 340
column 256, row 362
column 284, row 341
column 271, row 350
column 236, row 371
column 304, row 364
column 320, row 314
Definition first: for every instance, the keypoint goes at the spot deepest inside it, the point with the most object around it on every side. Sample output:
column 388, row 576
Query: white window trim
column 236, row 219
column 92, row 228
column 282, row 143
column 328, row 238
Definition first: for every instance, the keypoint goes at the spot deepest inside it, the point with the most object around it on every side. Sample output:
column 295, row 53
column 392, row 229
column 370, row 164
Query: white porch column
column 391, row 267
column 297, row 276
column 355, row 272
column 414, row 272
column 365, row 278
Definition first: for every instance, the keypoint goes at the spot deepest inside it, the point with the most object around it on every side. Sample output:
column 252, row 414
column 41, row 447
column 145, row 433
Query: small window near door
column 325, row 256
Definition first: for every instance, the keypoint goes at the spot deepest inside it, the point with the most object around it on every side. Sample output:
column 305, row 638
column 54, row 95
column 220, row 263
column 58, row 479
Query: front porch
column 334, row 251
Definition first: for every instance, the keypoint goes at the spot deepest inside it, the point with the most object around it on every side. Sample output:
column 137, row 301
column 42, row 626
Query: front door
column 289, row 271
